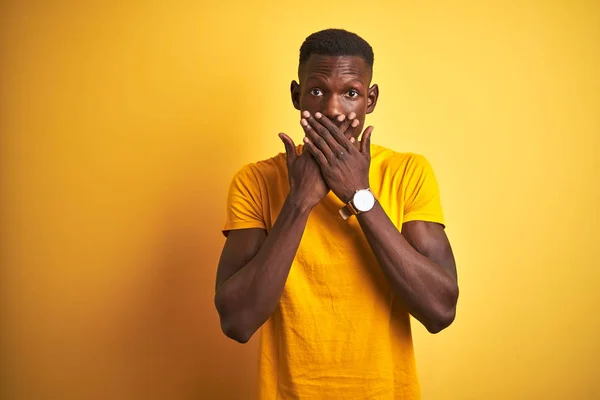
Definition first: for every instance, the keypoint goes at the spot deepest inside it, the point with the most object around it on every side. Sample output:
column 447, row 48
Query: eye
column 316, row 92
column 353, row 93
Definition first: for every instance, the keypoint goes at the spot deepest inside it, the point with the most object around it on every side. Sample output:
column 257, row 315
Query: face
column 335, row 85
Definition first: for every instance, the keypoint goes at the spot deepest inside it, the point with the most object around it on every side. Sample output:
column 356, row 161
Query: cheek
column 357, row 106
column 310, row 104
column 356, row 103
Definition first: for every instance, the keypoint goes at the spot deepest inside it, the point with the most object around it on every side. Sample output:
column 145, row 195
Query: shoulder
column 263, row 171
column 401, row 164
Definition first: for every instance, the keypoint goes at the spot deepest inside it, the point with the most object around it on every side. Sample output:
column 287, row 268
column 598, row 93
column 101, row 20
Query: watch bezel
column 362, row 192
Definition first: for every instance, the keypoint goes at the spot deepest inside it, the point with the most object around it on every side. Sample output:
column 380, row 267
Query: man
column 331, row 245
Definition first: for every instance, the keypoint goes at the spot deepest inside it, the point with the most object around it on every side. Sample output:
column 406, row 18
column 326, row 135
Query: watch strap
column 348, row 210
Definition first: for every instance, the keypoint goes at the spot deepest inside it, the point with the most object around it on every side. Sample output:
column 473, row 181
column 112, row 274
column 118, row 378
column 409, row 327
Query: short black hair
column 336, row 42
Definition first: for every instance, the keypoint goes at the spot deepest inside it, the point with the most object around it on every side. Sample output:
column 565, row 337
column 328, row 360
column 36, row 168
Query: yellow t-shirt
column 338, row 332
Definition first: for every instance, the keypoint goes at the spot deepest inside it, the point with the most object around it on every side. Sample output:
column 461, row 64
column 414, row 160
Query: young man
column 333, row 244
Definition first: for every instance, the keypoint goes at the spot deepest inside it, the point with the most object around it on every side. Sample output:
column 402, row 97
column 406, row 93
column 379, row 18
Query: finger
column 316, row 139
column 316, row 153
column 365, row 143
column 346, row 120
column 334, row 131
column 342, row 122
column 323, row 131
column 352, row 128
column 290, row 148
column 344, row 125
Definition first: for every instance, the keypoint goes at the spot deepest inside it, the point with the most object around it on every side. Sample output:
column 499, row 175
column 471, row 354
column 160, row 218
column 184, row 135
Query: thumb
column 290, row 148
column 365, row 142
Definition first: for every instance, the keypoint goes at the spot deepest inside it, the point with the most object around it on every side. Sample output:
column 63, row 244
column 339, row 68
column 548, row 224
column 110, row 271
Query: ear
column 295, row 91
column 372, row 98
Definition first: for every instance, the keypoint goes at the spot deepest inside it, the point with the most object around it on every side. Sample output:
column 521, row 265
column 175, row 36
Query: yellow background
column 122, row 123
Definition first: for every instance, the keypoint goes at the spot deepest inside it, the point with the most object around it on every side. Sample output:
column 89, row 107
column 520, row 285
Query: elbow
column 445, row 317
column 235, row 332
column 231, row 325
column 442, row 322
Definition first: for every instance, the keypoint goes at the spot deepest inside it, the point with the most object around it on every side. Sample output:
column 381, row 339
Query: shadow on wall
column 172, row 332
column 169, row 326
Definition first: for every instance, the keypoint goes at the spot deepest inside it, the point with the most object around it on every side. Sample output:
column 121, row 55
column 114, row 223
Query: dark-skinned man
column 334, row 243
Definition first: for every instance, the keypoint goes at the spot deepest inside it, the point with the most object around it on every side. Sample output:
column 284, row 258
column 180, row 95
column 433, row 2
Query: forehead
column 328, row 67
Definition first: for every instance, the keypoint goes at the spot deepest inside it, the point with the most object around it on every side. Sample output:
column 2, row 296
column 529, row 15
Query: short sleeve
column 421, row 193
column 244, row 202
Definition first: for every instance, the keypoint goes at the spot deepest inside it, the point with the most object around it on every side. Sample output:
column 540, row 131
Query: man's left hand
column 344, row 167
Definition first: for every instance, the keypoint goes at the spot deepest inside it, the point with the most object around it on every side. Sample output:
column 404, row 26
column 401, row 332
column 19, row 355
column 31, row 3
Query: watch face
column 363, row 200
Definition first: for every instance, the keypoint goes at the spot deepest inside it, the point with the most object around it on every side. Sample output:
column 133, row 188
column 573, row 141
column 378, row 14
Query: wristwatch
column 362, row 201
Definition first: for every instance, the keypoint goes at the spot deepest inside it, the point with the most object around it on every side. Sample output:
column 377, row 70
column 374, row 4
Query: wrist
column 369, row 215
column 347, row 197
column 361, row 202
column 299, row 203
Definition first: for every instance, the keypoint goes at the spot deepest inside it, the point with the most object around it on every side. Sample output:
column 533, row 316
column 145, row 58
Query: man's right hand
column 307, row 186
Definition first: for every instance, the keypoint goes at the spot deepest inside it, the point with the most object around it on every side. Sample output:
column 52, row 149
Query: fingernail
column 352, row 140
column 355, row 123
column 305, row 140
column 341, row 117
column 317, row 115
column 303, row 122
column 352, row 115
column 305, row 114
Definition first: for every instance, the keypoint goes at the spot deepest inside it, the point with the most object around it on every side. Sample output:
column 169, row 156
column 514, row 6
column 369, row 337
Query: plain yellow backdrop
column 122, row 123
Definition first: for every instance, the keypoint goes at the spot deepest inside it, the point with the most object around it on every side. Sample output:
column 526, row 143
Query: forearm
column 248, row 298
column 427, row 290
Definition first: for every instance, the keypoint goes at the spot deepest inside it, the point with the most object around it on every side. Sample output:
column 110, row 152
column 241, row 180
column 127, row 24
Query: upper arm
column 245, row 202
column 430, row 239
column 244, row 227
column 240, row 247
column 423, row 220
column 420, row 192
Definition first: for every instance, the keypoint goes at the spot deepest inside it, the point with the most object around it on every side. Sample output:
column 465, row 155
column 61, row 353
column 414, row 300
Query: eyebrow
column 356, row 80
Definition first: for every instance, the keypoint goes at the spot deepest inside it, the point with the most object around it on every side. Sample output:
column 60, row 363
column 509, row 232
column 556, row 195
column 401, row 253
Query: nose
column 333, row 107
